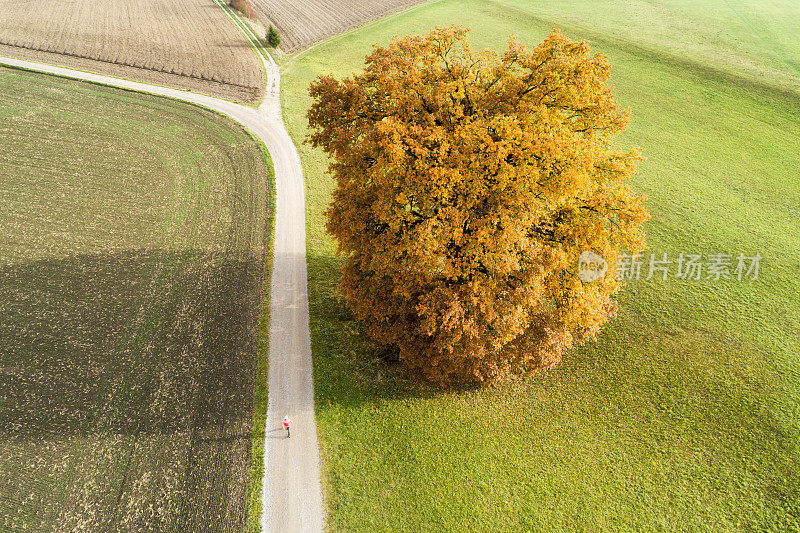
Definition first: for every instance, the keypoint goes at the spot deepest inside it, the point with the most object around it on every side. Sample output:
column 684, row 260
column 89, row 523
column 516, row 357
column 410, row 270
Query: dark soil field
column 131, row 261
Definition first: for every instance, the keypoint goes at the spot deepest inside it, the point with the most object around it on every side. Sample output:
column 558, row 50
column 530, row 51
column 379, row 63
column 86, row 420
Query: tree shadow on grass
column 349, row 368
column 661, row 394
column 150, row 349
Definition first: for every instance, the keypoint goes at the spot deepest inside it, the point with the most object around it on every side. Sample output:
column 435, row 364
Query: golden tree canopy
column 467, row 186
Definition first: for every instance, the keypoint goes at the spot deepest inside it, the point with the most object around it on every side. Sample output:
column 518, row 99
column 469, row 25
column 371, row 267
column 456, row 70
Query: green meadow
column 684, row 414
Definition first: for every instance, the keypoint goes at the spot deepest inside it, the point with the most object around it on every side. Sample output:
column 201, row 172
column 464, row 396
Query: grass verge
column 261, row 385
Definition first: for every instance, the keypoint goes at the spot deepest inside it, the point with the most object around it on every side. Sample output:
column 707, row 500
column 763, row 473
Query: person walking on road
column 287, row 423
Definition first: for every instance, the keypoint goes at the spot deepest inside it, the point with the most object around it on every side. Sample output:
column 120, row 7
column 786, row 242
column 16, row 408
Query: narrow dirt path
column 292, row 497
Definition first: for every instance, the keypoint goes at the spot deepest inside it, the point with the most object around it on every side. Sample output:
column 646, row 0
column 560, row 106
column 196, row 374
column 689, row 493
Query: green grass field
column 133, row 235
column 685, row 414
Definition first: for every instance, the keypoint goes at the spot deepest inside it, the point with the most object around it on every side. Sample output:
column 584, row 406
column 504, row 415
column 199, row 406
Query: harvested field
column 189, row 44
column 303, row 23
column 132, row 254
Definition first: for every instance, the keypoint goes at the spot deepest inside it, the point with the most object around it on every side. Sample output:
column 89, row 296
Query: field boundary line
column 4, row 63
column 128, row 65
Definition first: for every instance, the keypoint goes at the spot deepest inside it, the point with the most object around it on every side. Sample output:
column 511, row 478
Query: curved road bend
column 292, row 495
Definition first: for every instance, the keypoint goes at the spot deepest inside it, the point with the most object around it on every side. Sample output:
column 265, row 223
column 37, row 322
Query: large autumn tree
column 467, row 186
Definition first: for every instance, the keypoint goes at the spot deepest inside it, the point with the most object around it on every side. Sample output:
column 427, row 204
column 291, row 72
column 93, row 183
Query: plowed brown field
column 190, row 44
column 303, row 23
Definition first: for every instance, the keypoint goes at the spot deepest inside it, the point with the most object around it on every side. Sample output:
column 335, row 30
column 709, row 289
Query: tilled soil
column 303, row 23
column 189, row 44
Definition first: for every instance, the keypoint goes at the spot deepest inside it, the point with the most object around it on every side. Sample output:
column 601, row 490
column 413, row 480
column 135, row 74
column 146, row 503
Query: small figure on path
column 287, row 423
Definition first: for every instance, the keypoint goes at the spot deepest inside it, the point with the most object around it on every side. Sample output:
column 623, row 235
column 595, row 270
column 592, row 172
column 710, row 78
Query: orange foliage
column 244, row 7
column 467, row 186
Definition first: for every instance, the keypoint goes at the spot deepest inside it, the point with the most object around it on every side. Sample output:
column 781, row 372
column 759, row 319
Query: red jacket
column 287, row 422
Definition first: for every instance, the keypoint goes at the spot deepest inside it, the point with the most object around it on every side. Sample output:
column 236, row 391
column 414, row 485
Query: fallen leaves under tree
column 467, row 186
